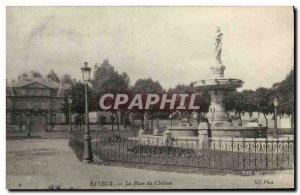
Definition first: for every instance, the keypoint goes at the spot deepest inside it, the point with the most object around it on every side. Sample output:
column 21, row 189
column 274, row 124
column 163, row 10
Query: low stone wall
column 92, row 127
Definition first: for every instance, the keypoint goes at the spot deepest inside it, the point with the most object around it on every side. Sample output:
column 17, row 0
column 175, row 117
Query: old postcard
column 150, row 98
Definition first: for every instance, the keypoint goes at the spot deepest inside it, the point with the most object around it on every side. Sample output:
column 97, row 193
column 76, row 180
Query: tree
column 235, row 101
column 77, row 93
column 144, row 87
column 262, row 98
column 23, row 75
column 107, row 80
column 285, row 93
column 53, row 76
column 183, row 89
column 204, row 102
column 35, row 74
column 147, row 86
column 66, row 79
column 250, row 105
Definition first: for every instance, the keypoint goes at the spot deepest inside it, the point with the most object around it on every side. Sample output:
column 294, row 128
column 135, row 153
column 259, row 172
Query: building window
column 36, row 105
column 17, row 119
column 46, row 92
column 53, row 104
column 18, row 104
column 43, row 105
column 32, row 92
column 29, row 104
column 23, row 92
column 41, row 92
column 36, row 116
column 23, row 104
column 53, row 118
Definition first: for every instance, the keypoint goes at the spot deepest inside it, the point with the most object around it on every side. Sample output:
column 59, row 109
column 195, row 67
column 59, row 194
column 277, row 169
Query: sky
column 173, row 45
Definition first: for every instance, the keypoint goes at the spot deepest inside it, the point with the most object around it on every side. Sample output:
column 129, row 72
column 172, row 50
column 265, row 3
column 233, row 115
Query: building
column 34, row 101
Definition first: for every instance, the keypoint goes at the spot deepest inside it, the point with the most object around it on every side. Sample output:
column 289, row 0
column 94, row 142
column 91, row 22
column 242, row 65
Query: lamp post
column 70, row 101
column 87, row 154
column 275, row 113
column 171, row 118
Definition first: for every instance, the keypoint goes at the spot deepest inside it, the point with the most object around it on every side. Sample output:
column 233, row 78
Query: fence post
column 277, row 142
column 266, row 153
column 220, row 145
column 119, row 145
column 141, row 133
column 232, row 152
column 177, row 155
column 238, row 154
column 288, row 153
column 255, row 165
column 244, row 154
column 198, row 153
column 139, row 154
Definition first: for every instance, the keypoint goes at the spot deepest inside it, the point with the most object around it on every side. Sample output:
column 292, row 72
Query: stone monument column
column 217, row 107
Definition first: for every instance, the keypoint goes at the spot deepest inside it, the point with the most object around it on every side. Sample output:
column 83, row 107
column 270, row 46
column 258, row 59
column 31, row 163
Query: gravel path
column 50, row 163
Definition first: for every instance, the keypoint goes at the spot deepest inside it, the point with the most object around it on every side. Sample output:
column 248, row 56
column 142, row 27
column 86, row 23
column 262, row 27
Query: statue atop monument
column 218, row 46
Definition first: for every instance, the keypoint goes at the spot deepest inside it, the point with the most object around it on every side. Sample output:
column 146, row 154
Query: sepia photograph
column 150, row 97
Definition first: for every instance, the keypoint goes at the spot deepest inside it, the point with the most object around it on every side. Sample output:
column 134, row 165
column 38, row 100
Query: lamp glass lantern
column 86, row 72
column 275, row 102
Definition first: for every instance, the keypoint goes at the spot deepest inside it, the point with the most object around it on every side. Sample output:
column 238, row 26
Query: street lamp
column 87, row 154
column 70, row 101
column 275, row 113
column 171, row 118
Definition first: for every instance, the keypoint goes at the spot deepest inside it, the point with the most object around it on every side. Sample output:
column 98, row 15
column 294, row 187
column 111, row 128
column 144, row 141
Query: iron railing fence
column 222, row 154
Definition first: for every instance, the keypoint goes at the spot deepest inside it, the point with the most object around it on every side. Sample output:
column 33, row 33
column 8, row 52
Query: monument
column 217, row 86
column 218, row 124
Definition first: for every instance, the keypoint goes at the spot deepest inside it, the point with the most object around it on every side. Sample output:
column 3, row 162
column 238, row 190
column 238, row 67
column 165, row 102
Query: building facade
column 35, row 101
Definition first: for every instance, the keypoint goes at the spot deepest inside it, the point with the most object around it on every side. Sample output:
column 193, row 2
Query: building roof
column 43, row 81
column 47, row 82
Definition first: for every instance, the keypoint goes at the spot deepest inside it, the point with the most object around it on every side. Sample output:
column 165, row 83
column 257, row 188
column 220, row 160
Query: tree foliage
column 66, row 79
column 285, row 93
column 77, row 93
column 35, row 74
column 107, row 80
column 147, row 86
column 53, row 76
